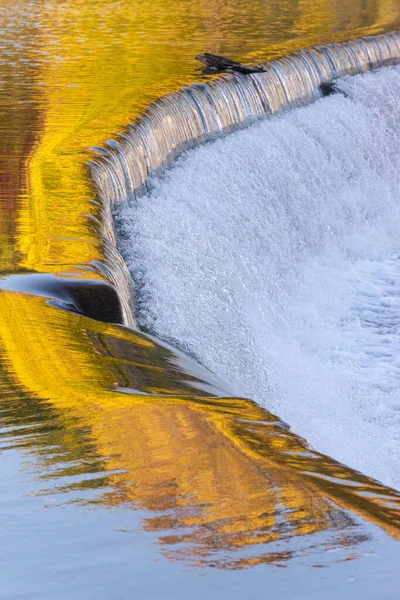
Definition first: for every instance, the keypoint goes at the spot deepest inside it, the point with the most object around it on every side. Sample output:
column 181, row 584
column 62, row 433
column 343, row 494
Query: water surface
column 121, row 475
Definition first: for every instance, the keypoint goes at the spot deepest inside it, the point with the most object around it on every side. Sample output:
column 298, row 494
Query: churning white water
column 273, row 255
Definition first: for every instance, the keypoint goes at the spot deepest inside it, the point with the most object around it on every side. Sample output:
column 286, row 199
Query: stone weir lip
column 94, row 299
column 202, row 112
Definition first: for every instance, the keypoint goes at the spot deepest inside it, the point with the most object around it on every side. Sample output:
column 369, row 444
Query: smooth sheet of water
column 273, row 256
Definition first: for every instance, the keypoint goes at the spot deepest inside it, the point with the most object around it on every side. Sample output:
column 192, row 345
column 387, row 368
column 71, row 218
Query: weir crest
column 202, row 112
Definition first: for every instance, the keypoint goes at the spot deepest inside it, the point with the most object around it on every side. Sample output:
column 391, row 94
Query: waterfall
column 272, row 256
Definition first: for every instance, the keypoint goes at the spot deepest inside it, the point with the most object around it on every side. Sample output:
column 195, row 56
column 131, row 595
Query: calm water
column 123, row 475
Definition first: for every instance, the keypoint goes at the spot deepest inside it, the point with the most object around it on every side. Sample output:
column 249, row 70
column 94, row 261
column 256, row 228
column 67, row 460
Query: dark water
column 128, row 471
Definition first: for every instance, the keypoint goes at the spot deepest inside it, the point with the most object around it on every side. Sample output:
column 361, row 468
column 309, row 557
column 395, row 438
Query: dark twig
column 214, row 62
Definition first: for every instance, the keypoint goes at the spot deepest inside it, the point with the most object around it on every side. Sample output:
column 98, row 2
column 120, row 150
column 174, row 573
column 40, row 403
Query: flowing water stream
column 128, row 468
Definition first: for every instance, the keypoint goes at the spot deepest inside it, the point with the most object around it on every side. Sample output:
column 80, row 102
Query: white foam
column 273, row 255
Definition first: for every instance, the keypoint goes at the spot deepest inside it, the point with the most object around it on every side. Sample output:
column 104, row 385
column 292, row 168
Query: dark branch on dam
column 219, row 64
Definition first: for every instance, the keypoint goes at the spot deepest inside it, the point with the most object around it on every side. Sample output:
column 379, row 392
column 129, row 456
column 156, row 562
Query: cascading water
column 272, row 255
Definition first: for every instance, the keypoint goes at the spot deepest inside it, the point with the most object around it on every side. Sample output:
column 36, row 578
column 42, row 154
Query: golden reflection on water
column 221, row 474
